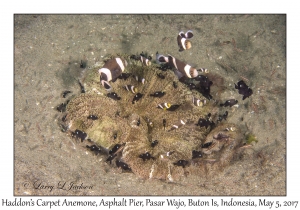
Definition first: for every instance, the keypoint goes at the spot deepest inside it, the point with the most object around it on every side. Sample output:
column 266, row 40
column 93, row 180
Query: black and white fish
column 177, row 125
column 65, row 93
column 146, row 156
column 198, row 102
column 230, row 102
column 94, row 149
column 111, row 157
column 154, row 143
column 145, row 55
column 113, row 95
column 79, row 134
column 111, row 70
column 145, row 61
column 243, row 89
column 124, row 76
column 158, row 94
column 183, row 70
column 165, row 67
column 123, row 165
column 130, row 88
column 137, row 97
column 206, row 122
column 204, row 81
column 142, row 57
column 203, row 123
column 183, row 40
column 62, row 107
column 182, row 163
column 196, row 154
column 140, row 79
column 115, row 149
column 164, row 106
column 173, row 107
column 192, row 86
column 225, row 115
column 92, row 117
column 149, row 122
column 204, row 86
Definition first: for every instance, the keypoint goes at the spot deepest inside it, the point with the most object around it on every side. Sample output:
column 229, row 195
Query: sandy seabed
column 47, row 54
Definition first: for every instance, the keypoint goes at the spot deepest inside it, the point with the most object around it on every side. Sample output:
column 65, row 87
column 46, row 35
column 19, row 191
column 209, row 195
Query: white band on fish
column 183, row 43
column 120, row 63
column 107, row 72
column 187, row 70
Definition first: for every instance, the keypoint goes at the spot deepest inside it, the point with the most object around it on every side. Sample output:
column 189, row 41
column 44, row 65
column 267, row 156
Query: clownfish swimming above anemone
column 183, row 40
column 111, row 70
column 181, row 69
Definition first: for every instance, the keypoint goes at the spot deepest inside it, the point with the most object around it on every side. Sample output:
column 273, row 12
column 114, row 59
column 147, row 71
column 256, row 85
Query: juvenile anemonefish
column 130, row 88
column 182, row 40
column 243, row 89
column 204, row 123
column 142, row 57
column 92, row 117
column 123, row 165
column 198, row 102
column 113, row 95
column 145, row 61
column 137, row 97
column 182, row 163
column 146, row 156
column 183, row 69
column 124, row 76
column 164, row 106
column 221, row 117
column 158, row 94
column 149, row 122
column 196, row 154
column 230, row 102
column 94, row 149
column 79, row 134
column 154, row 143
column 139, row 79
column 111, row 157
column 177, row 125
column 116, row 148
column 204, row 86
column 111, row 70
column 173, row 107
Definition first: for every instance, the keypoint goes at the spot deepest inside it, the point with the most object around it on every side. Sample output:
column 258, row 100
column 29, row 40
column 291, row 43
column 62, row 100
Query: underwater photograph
column 158, row 104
